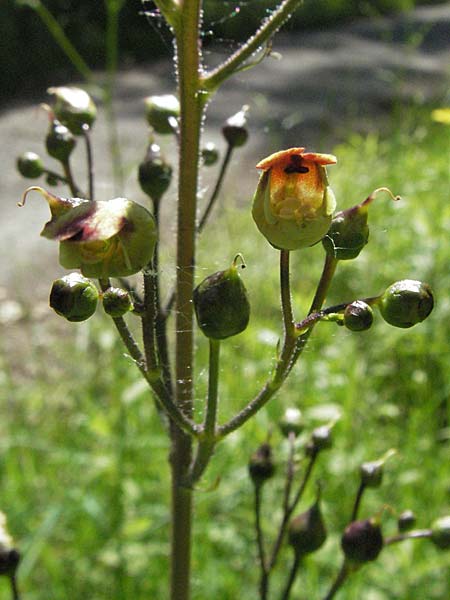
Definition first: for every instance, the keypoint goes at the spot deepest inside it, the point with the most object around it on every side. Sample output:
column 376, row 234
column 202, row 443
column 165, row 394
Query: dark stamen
column 296, row 165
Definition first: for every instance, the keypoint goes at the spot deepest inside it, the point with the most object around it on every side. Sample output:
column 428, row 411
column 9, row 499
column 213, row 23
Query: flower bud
column 154, row 173
column 291, row 422
column 29, row 165
column 406, row 521
column 74, row 297
column 74, row 108
column 210, row 154
column 9, row 556
column 440, row 533
column 406, row 303
column 362, row 541
column 307, row 531
column 372, row 473
column 162, row 112
column 349, row 231
column 321, row 439
column 113, row 238
column 235, row 129
column 116, row 302
column 261, row 466
column 358, row 316
column 293, row 203
column 59, row 141
column 221, row 304
column 348, row 234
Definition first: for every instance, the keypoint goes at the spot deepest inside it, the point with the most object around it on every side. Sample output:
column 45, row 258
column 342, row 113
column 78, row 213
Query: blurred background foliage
column 31, row 59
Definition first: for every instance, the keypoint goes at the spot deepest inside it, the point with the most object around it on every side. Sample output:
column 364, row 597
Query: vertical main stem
column 189, row 64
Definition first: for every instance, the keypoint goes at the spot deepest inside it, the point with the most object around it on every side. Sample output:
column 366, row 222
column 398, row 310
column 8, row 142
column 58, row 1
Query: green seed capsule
column 235, row 129
column 358, row 316
column 221, row 304
column 154, row 173
column 362, row 541
column 406, row 521
column 261, row 466
column 307, row 531
column 291, row 422
column 116, row 302
column 74, row 297
column 210, row 154
column 406, row 303
column 440, row 535
column 348, row 234
column 74, row 108
column 30, row 165
column 372, row 473
column 59, row 141
column 162, row 113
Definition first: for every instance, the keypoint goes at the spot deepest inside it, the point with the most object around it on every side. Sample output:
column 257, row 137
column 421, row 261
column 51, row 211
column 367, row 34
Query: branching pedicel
column 293, row 208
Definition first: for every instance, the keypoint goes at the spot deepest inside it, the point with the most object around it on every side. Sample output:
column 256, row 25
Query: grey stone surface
column 327, row 84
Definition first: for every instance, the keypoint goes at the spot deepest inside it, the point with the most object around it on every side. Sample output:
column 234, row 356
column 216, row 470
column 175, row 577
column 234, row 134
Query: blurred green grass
column 84, row 476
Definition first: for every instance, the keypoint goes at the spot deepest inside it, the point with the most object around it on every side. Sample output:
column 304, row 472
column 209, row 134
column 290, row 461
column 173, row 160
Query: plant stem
column 90, row 162
column 357, row 503
column 211, row 81
column 113, row 8
column 14, row 588
column 207, row 439
column 410, row 535
column 264, row 579
column 217, row 188
column 292, row 575
column 191, row 108
column 338, row 582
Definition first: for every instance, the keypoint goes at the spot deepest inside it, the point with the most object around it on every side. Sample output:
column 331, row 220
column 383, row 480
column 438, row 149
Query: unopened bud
column 321, row 439
column 372, row 473
column 362, row 541
column 291, row 422
column 235, row 129
column 59, row 141
column 162, row 113
column 358, row 316
column 221, row 304
column 210, row 154
column 307, row 531
column 406, row 521
column 29, row 165
column 440, row 533
column 261, row 466
column 116, row 302
column 406, row 303
column 74, row 108
column 74, row 297
column 154, row 173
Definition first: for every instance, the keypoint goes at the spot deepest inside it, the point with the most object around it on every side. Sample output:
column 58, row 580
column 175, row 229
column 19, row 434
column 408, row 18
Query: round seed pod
column 154, row 173
column 74, row 297
column 9, row 561
column 307, row 531
column 358, row 316
column 221, row 304
column 59, row 141
column 406, row 521
column 162, row 112
column 440, row 533
column 116, row 302
column 362, row 541
column 406, row 303
column 74, row 108
column 261, row 466
column 372, row 473
column 30, row 165
column 235, row 128
column 210, row 154
column 291, row 422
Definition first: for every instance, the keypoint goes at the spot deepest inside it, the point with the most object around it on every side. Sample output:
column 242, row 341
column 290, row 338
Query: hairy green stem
column 211, row 81
column 191, row 110
column 207, row 440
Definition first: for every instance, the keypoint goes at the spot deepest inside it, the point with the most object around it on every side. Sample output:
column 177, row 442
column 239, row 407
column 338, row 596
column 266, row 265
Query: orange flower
column 293, row 203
